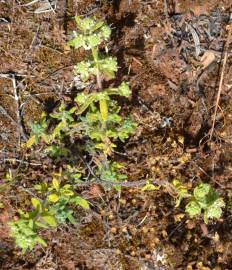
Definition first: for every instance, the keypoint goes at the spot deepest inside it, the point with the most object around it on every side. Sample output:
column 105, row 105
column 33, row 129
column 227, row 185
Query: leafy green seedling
column 51, row 211
column 25, row 229
column 25, row 235
column 205, row 199
column 38, row 131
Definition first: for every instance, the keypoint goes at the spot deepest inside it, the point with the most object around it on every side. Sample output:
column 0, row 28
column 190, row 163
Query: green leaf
column 71, row 218
column 124, row 90
column 77, row 42
column 215, row 210
column 193, row 209
column 67, row 192
column 98, row 25
column 55, row 184
column 53, row 198
column 41, row 225
column 50, row 220
column 150, row 187
column 41, row 241
column 108, row 66
column 31, row 141
column 181, row 190
column 36, row 203
column 200, row 192
column 84, row 70
column 80, row 201
column 105, row 32
column 93, row 41
column 103, row 109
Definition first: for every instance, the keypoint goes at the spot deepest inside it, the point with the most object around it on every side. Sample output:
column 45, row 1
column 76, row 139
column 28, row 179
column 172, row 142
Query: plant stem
column 95, row 57
column 102, row 103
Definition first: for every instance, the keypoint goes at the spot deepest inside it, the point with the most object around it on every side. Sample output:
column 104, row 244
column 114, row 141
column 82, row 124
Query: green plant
column 50, row 211
column 94, row 119
column 204, row 199
column 25, row 234
column 207, row 200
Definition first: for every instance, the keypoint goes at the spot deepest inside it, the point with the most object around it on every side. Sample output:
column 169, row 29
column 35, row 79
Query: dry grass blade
column 229, row 27
column 30, row 3
column 45, row 6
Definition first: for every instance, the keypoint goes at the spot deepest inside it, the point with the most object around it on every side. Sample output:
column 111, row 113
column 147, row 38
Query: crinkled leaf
column 200, row 192
column 215, row 210
column 105, row 32
column 193, row 209
column 77, row 42
column 108, row 66
column 124, row 90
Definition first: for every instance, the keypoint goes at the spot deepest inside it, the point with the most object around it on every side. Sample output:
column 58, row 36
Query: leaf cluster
column 204, row 199
column 47, row 213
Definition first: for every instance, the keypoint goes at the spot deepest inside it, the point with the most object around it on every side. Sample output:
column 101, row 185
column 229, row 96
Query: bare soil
column 171, row 52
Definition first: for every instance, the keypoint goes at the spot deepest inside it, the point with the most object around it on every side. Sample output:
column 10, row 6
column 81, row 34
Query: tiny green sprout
column 38, row 131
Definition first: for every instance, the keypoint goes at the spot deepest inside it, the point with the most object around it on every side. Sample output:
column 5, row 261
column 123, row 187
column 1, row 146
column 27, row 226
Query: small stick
column 22, row 161
column 229, row 27
column 17, row 103
column 29, row 4
column 11, row 76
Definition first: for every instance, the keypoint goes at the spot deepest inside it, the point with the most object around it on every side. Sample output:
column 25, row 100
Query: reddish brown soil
column 174, row 93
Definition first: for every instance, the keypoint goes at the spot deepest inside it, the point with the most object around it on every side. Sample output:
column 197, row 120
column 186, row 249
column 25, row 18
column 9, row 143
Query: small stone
column 122, row 201
column 134, row 201
column 124, row 229
column 113, row 230
column 145, row 230
column 132, row 253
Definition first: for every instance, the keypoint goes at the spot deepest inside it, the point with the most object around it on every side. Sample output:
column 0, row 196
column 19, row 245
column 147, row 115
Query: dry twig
column 229, row 28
